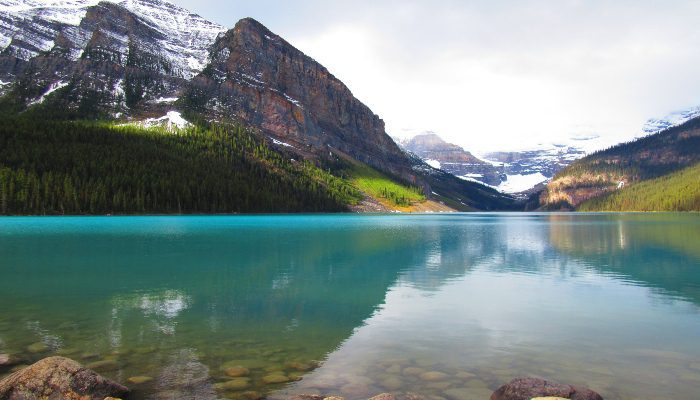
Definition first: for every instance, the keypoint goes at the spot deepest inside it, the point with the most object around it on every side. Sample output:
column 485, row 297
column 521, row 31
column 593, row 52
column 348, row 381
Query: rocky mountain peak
column 431, row 146
column 258, row 78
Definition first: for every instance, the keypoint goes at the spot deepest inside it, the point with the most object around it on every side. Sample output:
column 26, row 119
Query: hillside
column 677, row 191
column 91, row 168
column 623, row 165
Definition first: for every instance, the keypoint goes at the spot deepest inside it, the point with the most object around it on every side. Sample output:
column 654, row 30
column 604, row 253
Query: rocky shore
column 63, row 378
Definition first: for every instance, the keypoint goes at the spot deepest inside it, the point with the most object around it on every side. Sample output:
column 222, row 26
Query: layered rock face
column 452, row 158
column 114, row 56
column 256, row 77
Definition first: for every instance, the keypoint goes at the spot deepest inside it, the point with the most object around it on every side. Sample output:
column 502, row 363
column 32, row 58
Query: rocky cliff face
column 139, row 59
column 113, row 57
column 256, row 77
column 452, row 158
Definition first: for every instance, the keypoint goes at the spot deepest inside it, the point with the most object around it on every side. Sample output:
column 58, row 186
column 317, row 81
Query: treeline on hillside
column 678, row 191
column 645, row 158
column 92, row 168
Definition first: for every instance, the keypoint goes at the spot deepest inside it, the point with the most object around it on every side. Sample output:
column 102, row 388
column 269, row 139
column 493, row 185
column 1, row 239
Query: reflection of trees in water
column 660, row 250
column 161, row 292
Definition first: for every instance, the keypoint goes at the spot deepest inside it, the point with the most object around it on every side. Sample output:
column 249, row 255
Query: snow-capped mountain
column 181, row 39
column 509, row 172
column 148, row 60
column 523, row 170
column 675, row 118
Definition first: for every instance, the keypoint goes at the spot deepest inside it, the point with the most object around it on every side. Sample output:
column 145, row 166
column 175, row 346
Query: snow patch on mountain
column 433, row 163
column 521, row 183
column 172, row 120
column 675, row 118
column 187, row 36
column 54, row 87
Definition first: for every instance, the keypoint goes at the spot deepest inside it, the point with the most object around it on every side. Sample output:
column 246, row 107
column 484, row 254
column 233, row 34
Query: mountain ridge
column 625, row 164
column 115, row 64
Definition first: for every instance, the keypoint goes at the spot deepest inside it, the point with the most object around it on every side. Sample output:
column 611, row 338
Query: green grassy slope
column 677, row 191
column 380, row 186
column 96, row 168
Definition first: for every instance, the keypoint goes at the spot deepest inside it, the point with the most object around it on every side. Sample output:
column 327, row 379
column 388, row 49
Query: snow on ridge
column 54, row 87
column 281, row 143
column 188, row 36
column 166, row 100
column 675, row 118
column 433, row 163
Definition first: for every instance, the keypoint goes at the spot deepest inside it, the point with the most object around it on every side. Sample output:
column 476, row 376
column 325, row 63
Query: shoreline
column 63, row 377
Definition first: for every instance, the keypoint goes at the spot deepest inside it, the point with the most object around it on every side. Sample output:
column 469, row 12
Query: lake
column 358, row 305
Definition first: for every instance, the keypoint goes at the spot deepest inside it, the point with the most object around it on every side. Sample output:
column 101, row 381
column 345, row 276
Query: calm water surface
column 359, row 305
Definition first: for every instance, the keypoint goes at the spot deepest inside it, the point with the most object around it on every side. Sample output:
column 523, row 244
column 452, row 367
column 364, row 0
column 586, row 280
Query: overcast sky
column 492, row 74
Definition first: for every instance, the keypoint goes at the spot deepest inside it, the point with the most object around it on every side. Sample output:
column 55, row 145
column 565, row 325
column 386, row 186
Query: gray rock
column 528, row 388
column 60, row 378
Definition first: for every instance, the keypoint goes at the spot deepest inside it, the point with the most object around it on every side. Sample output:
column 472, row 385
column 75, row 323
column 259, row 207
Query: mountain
column 510, row 172
column 655, row 125
column 677, row 191
column 623, row 166
column 258, row 78
column 151, row 62
column 451, row 158
column 100, row 58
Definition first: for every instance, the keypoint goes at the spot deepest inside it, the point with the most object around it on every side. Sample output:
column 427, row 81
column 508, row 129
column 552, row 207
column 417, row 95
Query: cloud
column 496, row 74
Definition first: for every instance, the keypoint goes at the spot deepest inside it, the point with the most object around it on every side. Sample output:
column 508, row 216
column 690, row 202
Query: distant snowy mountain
column 509, row 172
column 675, row 118
column 31, row 27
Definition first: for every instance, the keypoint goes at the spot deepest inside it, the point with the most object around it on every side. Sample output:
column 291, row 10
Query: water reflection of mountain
column 660, row 250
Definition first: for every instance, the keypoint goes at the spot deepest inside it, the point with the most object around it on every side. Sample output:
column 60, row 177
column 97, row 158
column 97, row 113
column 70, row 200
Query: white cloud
column 500, row 74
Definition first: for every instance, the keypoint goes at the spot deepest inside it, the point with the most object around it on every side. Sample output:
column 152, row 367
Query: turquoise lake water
column 357, row 305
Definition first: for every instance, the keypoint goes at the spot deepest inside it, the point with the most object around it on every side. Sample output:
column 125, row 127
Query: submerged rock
column 548, row 398
column 139, row 380
column 392, row 383
column 354, row 389
column 60, row 378
column 38, row 347
column 300, row 366
column 413, row 371
column 103, row 365
column 432, row 376
column 306, row 397
column 234, row 384
column 529, row 388
column 237, row 371
column 383, row 396
column 7, row 361
column 275, row 378
column 4, row 359
column 185, row 377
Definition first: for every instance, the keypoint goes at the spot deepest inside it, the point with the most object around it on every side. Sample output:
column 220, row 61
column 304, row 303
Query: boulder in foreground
column 529, row 388
column 58, row 378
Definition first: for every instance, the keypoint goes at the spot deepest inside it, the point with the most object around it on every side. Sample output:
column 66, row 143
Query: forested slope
column 678, row 191
column 623, row 165
column 98, row 168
